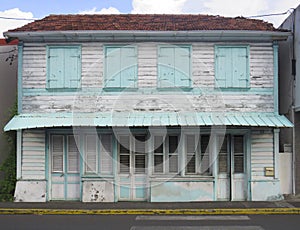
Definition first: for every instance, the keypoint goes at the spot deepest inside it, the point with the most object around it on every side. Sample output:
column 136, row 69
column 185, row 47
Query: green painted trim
column 19, row 154
column 275, row 61
column 115, row 167
column 276, row 152
column 249, row 164
column 148, row 91
column 47, row 172
column 20, row 77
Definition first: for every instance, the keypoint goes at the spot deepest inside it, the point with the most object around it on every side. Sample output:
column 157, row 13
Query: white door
column 232, row 181
column 132, row 168
column 65, row 168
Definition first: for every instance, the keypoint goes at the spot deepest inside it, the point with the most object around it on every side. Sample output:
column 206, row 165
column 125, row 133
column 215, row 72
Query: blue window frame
column 120, row 67
column 63, row 67
column 174, row 66
column 232, row 66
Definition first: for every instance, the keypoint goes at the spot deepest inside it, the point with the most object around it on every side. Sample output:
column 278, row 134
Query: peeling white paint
column 30, row 191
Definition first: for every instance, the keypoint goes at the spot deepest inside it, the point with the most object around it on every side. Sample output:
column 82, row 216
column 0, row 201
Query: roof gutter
column 117, row 35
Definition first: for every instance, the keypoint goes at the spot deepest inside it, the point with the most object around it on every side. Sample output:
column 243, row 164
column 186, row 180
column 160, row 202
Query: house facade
column 157, row 108
column 290, row 92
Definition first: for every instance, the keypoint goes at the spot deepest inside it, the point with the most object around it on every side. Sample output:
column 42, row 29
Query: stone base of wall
column 266, row 190
column 97, row 191
column 182, row 191
column 30, row 191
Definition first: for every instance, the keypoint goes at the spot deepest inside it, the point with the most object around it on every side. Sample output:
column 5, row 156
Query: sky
column 37, row 9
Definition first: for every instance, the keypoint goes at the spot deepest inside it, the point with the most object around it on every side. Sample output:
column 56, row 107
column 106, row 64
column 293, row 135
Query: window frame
column 105, row 78
column 79, row 66
column 247, row 71
column 175, row 46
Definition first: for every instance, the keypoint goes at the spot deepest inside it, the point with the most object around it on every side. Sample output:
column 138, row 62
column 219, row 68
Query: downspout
column 293, row 106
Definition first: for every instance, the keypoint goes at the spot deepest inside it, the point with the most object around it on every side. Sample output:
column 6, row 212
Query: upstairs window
column 63, row 67
column 232, row 66
column 174, row 66
column 120, row 67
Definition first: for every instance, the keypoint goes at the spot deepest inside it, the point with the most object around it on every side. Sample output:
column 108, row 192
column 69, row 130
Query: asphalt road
column 151, row 222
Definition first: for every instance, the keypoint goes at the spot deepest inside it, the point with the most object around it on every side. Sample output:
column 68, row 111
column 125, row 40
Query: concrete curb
column 215, row 211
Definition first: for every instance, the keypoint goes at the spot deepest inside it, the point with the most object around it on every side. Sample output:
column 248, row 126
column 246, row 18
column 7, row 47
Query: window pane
column 158, row 144
column 173, row 144
column 158, row 163
column 223, row 156
column 191, row 164
column 173, row 163
column 124, row 144
column 205, row 165
column 238, row 154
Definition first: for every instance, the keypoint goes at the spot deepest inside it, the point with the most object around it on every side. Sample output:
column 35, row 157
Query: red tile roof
column 148, row 22
column 3, row 42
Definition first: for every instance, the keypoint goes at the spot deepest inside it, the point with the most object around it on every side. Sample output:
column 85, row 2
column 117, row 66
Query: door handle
column 62, row 175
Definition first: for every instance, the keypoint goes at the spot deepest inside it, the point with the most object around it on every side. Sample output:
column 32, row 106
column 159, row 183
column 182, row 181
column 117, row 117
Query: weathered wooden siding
column 33, row 154
column 203, row 80
column 159, row 103
column 262, row 153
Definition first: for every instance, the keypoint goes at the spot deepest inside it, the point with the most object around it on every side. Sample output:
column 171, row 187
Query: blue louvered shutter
column 128, row 67
column 112, row 67
column 121, row 67
column 223, row 67
column 182, row 67
column 232, row 67
column 72, row 67
column 55, row 68
column 166, row 71
column 239, row 67
column 64, row 67
column 174, row 67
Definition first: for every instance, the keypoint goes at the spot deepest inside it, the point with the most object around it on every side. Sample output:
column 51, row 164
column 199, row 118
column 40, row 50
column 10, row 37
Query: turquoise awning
column 31, row 121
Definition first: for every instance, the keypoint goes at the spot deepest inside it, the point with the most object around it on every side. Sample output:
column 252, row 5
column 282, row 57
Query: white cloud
column 235, row 7
column 110, row 10
column 7, row 24
column 157, row 6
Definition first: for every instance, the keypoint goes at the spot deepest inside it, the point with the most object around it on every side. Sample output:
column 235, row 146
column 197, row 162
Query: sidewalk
column 144, row 208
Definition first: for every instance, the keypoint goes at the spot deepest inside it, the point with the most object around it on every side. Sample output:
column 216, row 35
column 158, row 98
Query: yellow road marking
column 217, row 211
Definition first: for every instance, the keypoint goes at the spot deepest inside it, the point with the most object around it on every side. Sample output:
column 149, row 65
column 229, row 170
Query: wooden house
column 157, row 108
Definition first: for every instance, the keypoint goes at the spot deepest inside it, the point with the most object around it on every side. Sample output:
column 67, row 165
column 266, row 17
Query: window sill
column 174, row 89
column 119, row 89
column 63, row 89
column 233, row 89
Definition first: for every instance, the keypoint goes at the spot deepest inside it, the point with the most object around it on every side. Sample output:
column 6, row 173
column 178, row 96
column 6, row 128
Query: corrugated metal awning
column 30, row 121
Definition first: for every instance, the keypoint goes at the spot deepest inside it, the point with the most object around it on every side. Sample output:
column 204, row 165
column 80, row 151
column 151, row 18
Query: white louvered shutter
column 57, row 153
column 73, row 154
column 106, row 154
column 91, row 154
